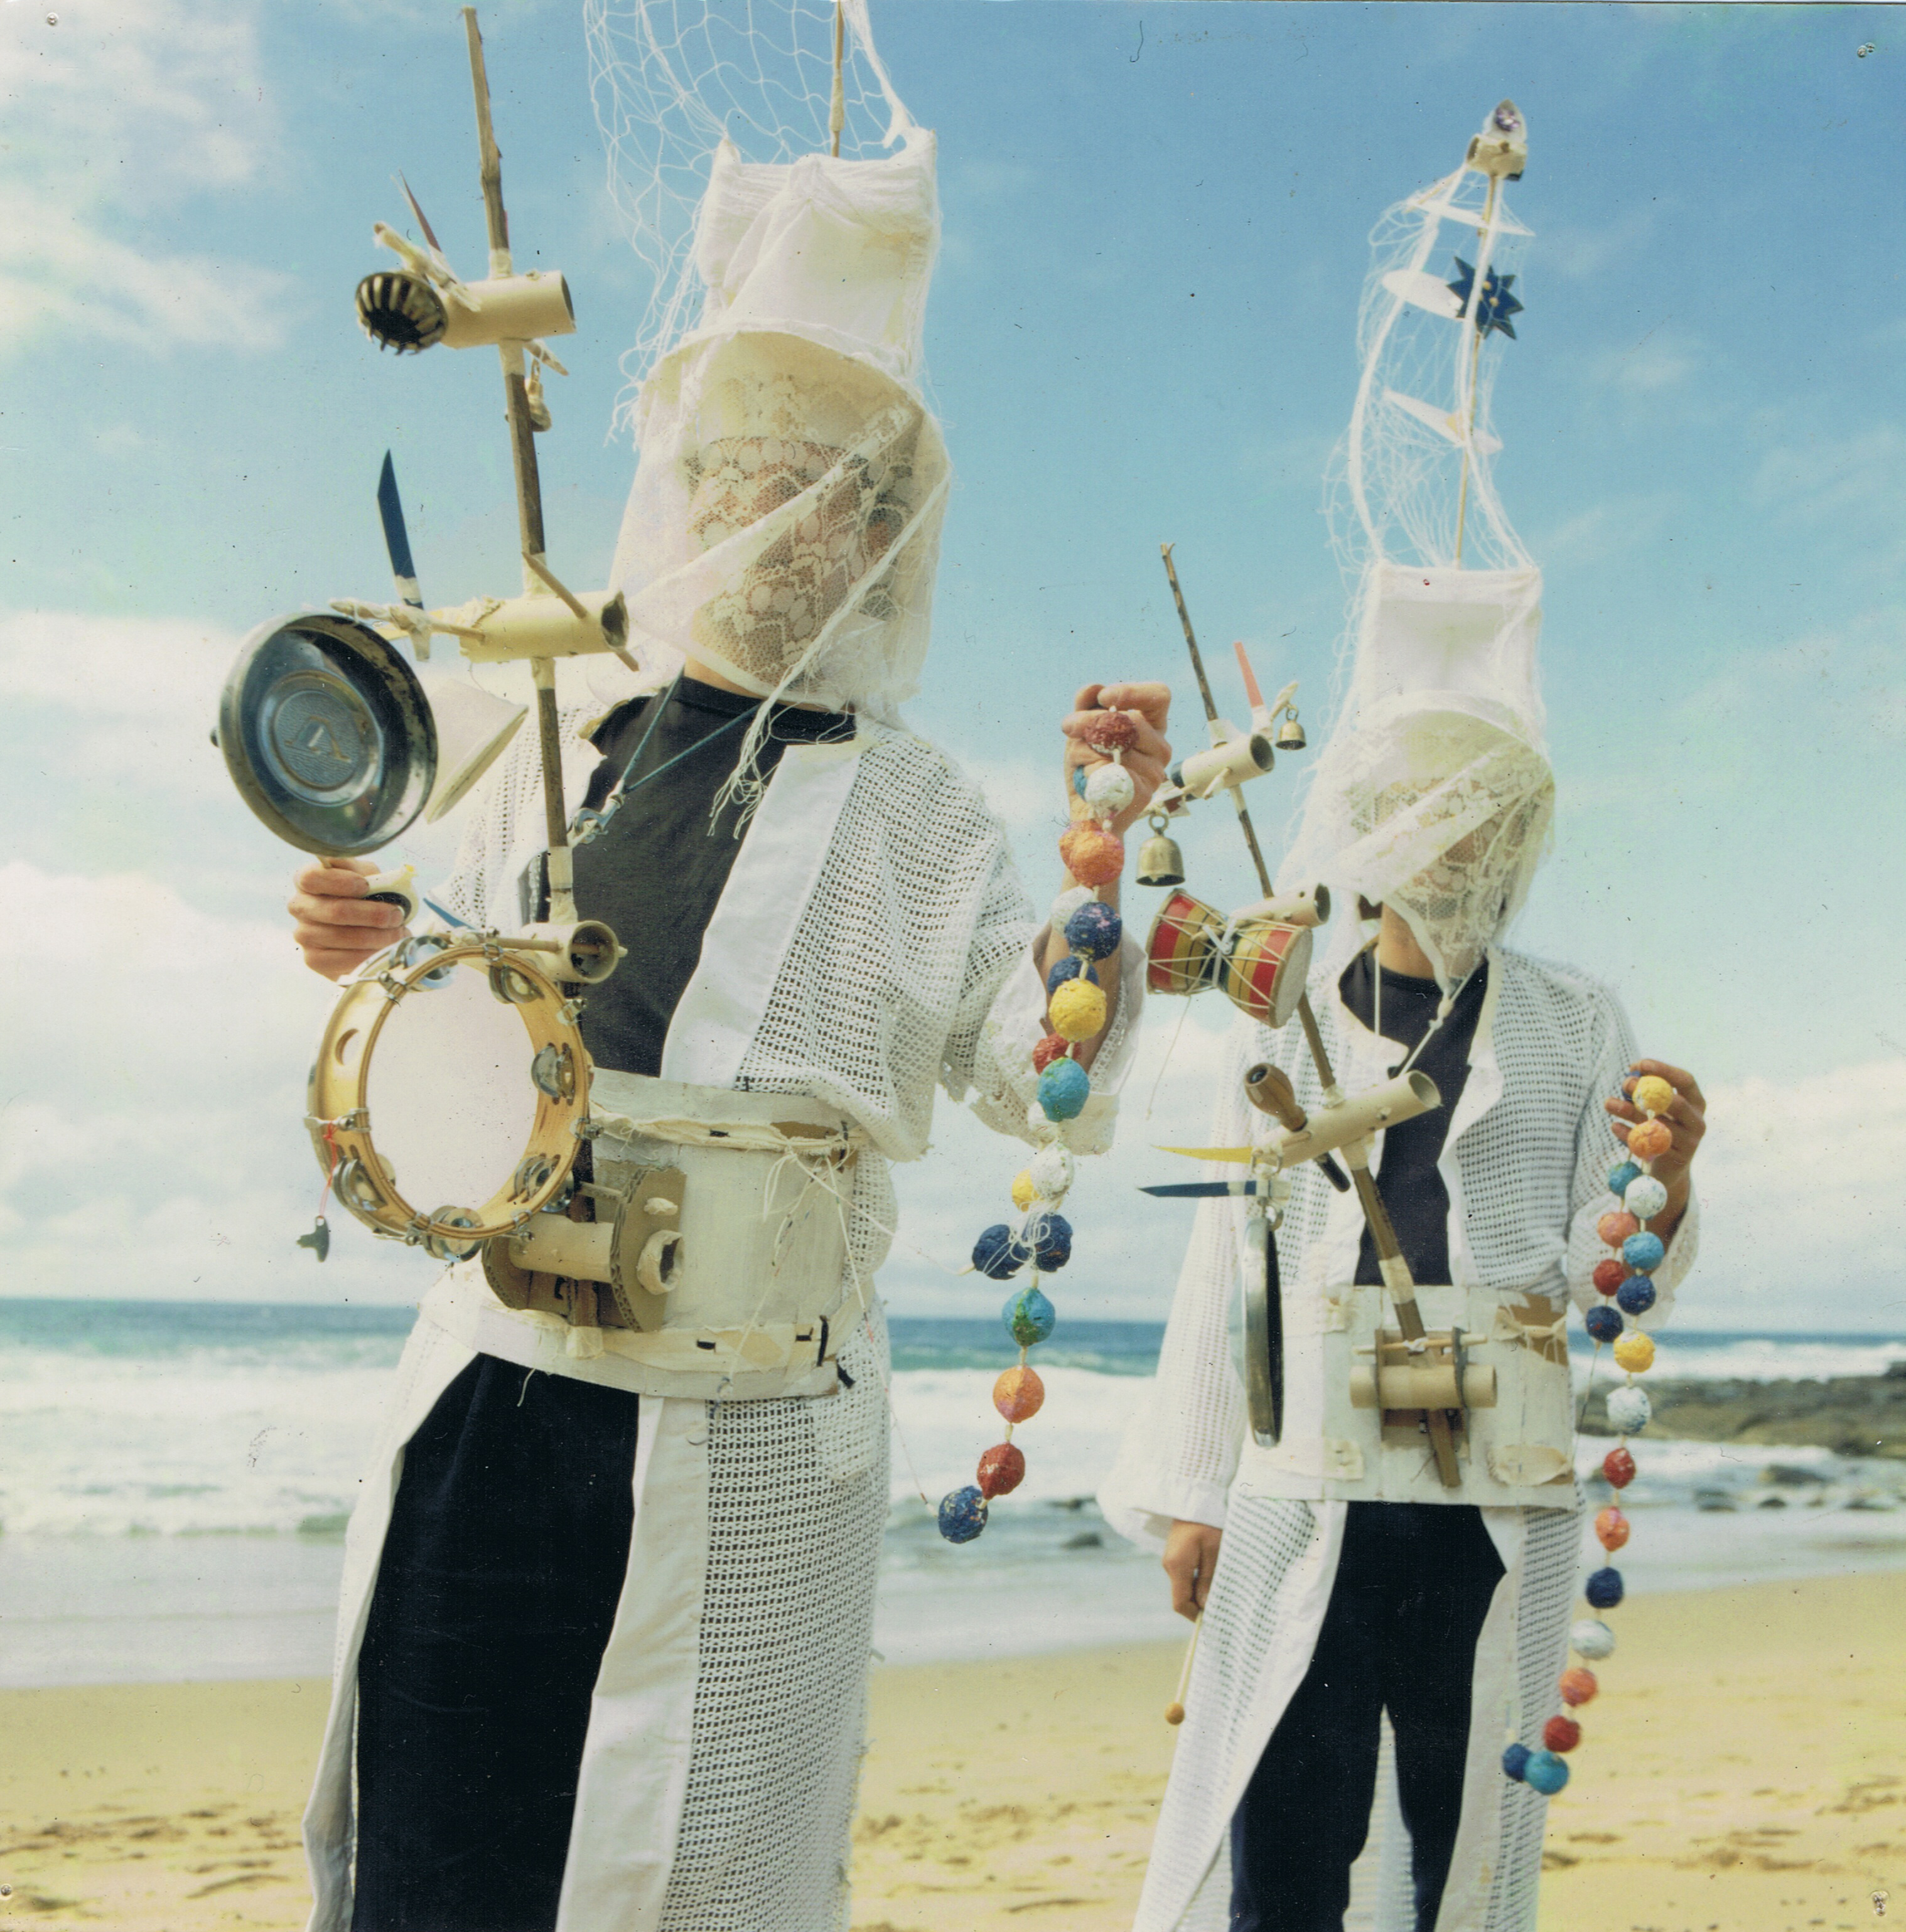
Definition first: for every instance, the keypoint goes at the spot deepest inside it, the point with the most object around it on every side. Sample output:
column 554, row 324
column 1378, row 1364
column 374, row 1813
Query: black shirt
column 1411, row 1188
column 655, row 870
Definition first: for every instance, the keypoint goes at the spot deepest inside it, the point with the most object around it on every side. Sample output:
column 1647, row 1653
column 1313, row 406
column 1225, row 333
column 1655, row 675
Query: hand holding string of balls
column 1085, row 917
column 1624, row 1278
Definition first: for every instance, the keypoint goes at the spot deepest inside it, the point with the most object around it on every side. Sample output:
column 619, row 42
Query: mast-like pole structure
column 529, row 486
column 837, row 102
column 1473, row 317
column 1396, row 1277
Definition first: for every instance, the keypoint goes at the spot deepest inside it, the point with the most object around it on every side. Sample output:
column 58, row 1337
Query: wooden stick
column 1175, row 1710
column 556, row 583
column 1475, row 359
column 490, row 156
column 837, row 105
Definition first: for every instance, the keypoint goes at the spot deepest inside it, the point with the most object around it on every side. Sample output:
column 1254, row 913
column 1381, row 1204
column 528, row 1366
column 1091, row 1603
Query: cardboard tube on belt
column 1422, row 1385
column 587, row 950
column 1362, row 1115
column 510, row 308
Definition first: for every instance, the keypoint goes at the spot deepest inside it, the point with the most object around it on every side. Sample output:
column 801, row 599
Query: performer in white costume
column 602, row 1655
column 1371, row 1637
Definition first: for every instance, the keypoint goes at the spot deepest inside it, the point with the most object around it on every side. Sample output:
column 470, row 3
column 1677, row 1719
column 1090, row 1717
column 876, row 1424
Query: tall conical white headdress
column 1434, row 793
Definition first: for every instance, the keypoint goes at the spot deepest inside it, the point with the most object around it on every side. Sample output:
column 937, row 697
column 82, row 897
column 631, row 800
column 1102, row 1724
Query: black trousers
column 505, row 1560
column 1413, row 1586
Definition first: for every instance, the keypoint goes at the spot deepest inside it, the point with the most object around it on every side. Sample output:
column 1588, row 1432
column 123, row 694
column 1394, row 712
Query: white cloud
column 117, row 115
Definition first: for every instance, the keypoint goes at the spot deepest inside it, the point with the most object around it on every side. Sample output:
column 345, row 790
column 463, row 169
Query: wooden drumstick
column 1268, row 1089
column 1175, row 1710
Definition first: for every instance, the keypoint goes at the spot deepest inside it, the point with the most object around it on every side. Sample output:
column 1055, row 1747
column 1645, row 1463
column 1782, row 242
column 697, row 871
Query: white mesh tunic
column 1524, row 1162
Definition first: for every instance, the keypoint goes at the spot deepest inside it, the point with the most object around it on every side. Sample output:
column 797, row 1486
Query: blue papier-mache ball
column 1636, row 1295
column 1604, row 1588
column 1619, row 1176
column 1603, row 1323
column 998, row 1254
column 1545, row 1772
column 1644, row 1252
column 962, row 1514
column 1515, row 1761
column 1095, row 930
column 1069, row 968
column 1049, row 1236
column 1064, row 1088
column 1028, row 1317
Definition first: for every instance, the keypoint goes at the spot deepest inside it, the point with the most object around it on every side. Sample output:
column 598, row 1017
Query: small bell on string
column 1160, row 862
column 1290, row 734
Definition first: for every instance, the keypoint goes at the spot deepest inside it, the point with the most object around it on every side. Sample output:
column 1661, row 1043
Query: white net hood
column 1434, row 794
column 784, row 524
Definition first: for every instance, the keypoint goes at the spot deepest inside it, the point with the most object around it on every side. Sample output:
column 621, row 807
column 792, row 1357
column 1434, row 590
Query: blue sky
column 1141, row 330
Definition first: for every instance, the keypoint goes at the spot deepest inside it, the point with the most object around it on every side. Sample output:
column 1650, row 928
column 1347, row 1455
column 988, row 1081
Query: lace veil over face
column 784, row 525
column 1434, row 796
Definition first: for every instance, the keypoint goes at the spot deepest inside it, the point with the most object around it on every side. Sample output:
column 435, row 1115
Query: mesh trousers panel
column 798, row 1502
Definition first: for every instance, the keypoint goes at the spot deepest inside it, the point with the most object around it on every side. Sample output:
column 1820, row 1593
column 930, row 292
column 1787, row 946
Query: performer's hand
column 335, row 926
column 1686, row 1120
column 1146, row 760
column 1190, row 1557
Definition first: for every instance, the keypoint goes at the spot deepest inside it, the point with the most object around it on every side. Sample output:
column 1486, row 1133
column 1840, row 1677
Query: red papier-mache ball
column 1609, row 1275
column 1618, row 1469
column 1002, row 1469
column 1053, row 1045
column 1578, row 1685
column 1019, row 1394
column 1095, row 857
column 1611, row 1529
column 1562, row 1734
column 1113, row 731
column 1615, row 1226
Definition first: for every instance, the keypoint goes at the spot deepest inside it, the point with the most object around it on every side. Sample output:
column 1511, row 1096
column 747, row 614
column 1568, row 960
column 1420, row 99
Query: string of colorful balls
column 1622, row 1277
column 1075, row 1010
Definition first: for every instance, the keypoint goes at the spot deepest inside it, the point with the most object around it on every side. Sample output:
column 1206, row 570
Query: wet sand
column 1741, row 1772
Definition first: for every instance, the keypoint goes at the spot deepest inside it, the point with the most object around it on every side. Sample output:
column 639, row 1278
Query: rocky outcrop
column 1853, row 1415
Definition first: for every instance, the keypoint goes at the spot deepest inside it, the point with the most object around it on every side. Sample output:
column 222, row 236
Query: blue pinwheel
column 1495, row 305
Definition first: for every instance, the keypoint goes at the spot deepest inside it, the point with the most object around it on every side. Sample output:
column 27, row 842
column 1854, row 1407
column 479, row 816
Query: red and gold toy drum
column 1265, row 967
column 1182, row 954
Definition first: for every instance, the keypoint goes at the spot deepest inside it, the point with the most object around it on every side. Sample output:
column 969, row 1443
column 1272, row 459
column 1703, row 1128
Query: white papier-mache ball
column 1109, row 788
column 1593, row 1638
column 1067, row 903
column 1052, row 1170
column 1628, row 1410
column 1644, row 1197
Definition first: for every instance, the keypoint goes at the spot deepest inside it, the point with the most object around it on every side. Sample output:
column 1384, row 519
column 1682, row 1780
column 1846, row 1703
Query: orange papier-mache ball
column 1093, row 857
column 1615, row 1226
column 1650, row 1140
column 1019, row 1394
column 1562, row 1734
column 1053, row 1044
column 1002, row 1469
column 1578, row 1685
column 1609, row 1275
column 1611, row 1529
column 1113, row 731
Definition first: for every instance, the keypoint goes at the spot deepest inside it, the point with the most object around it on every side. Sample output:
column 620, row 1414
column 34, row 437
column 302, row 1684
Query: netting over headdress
column 784, row 524
column 1434, row 794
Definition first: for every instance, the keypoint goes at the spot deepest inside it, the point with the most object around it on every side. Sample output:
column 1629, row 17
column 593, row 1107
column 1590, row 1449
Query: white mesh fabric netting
column 1400, row 485
column 671, row 78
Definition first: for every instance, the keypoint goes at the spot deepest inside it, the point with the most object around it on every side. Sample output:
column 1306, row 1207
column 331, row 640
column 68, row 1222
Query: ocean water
column 174, row 1478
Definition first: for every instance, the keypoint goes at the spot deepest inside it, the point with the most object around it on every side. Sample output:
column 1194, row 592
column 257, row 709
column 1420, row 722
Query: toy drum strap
column 1265, row 965
column 451, row 1071
column 1185, row 952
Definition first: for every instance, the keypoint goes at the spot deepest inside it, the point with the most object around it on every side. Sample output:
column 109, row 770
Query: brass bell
column 1160, row 862
column 1290, row 734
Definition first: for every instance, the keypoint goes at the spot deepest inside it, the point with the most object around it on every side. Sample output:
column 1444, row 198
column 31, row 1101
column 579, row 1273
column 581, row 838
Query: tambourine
column 1260, row 964
column 451, row 1071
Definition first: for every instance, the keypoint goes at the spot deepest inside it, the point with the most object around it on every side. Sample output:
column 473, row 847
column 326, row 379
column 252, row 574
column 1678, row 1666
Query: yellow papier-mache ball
column 1652, row 1094
column 1077, row 1010
column 1022, row 1189
column 1635, row 1352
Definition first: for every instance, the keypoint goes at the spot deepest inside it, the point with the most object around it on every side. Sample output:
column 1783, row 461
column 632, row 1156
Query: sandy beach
column 1742, row 1773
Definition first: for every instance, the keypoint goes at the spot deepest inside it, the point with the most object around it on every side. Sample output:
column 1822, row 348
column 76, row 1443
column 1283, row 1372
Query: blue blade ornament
column 1494, row 307
column 397, row 539
column 1201, row 1190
